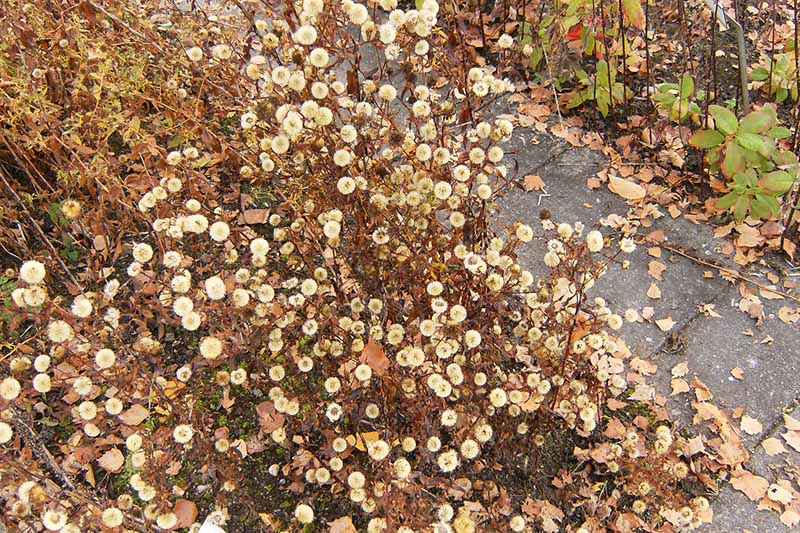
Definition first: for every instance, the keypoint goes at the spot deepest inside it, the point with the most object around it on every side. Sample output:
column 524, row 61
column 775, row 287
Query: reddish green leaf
column 734, row 160
column 757, row 121
column 778, row 182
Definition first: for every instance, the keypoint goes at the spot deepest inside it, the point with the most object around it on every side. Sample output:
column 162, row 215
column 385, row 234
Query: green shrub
column 747, row 153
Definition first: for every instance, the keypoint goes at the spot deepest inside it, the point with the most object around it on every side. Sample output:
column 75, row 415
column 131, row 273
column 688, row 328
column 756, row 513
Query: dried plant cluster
column 288, row 261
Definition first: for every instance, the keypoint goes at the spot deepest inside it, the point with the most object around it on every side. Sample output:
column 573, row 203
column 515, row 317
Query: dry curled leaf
column 360, row 440
column 791, row 423
column 790, row 518
column 788, row 314
column 679, row 386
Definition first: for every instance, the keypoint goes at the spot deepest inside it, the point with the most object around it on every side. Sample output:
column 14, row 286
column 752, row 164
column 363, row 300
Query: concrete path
column 768, row 353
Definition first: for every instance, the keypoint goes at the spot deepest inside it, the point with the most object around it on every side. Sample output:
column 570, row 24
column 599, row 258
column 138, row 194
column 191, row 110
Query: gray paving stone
column 716, row 345
column 713, row 346
column 734, row 512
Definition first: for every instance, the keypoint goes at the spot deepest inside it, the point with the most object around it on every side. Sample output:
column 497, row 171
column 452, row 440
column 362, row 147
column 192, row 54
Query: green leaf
column 632, row 9
column 724, row 119
column 418, row 4
column 757, row 121
column 54, row 212
column 759, row 209
column 734, row 160
column 752, row 142
column 687, row 85
column 778, row 182
column 601, row 78
column 759, row 74
column 727, row 201
column 706, row 139
column 603, row 101
column 536, row 57
column 779, row 132
column 526, row 34
column 175, row 141
column 665, row 99
column 764, row 207
column 740, row 207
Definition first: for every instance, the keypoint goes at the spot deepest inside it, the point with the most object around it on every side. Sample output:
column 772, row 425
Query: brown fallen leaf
column 791, row 423
column 615, row 429
column 750, row 425
column 112, row 460
column 701, row 390
column 769, row 293
column 695, row 445
column 359, row 441
column 532, row 182
column 654, row 292
column 255, row 216
column 754, row 487
column 135, row 415
column 186, row 511
column 626, row 188
column 738, row 373
column 268, row 417
column 679, row 386
column 374, row 356
column 773, row 446
column 665, row 324
column 343, row 524
column 792, row 438
column 788, row 314
column 643, row 366
column 656, row 268
column 643, row 393
column 790, row 518
column 779, row 493
column 680, row 370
